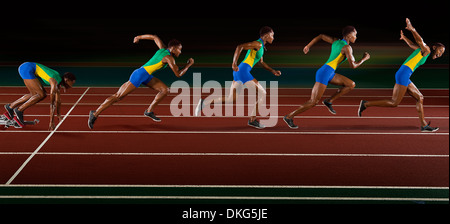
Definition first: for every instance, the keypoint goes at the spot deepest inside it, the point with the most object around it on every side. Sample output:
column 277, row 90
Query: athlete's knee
column 312, row 102
column 352, row 85
column 394, row 103
column 116, row 97
column 164, row 91
column 420, row 99
column 40, row 95
column 262, row 92
column 262, row 95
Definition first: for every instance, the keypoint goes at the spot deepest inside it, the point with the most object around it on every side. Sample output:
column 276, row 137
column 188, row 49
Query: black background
column 80, row 28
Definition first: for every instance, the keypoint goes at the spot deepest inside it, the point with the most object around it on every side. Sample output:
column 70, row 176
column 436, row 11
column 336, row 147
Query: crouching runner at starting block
column 31, row 74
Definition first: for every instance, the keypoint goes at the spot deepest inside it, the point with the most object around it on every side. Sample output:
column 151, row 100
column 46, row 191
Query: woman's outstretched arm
column 155, row 38
column 323, row 37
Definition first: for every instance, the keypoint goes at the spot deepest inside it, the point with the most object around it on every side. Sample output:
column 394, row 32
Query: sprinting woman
column 242, row 75
column 144, row 75
column 340, row 52
column 403, row 83
column 32, row 74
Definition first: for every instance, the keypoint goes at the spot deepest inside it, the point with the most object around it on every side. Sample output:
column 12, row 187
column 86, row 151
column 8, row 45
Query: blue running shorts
column 403, row 75
column 27, row 70
column 325, row 74
column 243, row 75
column 140, row 76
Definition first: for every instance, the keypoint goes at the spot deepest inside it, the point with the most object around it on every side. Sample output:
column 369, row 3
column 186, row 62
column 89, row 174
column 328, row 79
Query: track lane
column 312, row 159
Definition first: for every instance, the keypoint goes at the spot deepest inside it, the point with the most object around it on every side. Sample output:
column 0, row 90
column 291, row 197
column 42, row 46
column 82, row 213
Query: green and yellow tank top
column 254, row 56
column 336, row 56
column 155, row 63
column 46, row 73
column 415, row 60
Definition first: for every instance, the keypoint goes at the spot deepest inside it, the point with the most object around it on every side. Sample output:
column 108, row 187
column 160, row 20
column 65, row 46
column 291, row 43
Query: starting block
column 12, row 123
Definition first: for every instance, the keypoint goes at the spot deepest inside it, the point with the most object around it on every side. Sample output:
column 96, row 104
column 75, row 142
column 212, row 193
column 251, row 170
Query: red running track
column 384, row 148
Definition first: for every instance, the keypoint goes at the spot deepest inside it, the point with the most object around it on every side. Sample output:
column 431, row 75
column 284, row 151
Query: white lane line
column 289, row 88
column 226, row 154
column 301, row 117
column 45, row 141
column 252, row 132
column 204, row 95
column 244, row 105
column 238, row 132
